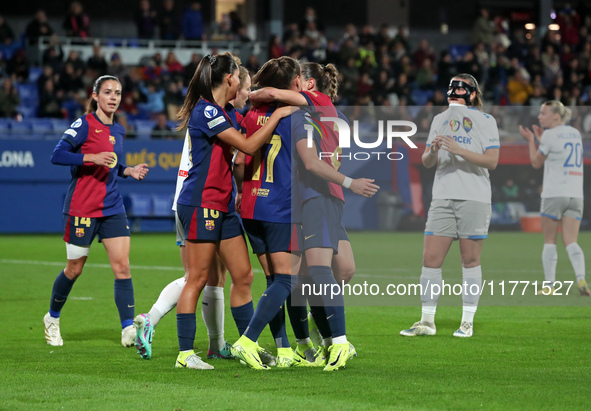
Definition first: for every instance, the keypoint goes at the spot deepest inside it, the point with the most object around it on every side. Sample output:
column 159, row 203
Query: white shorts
column 458, row 219
column 556, row 207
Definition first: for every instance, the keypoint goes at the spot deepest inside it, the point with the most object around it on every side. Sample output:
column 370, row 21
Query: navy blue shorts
column 266, row 237
column 205, row 224
column 81, row 231
column 322, row 222
column 343, row 236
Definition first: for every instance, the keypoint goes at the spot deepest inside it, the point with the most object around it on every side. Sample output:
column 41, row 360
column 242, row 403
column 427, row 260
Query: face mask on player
column 456, row 85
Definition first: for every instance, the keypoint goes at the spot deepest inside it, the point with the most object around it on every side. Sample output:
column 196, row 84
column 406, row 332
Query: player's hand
column 538, row 131
column 106, row 158
column 238, row 202
column 285, row 111
column 364, row 187
column 139, row 172
column 436, row 144
column 255, row 98
column 451, row 145
column 526, row 134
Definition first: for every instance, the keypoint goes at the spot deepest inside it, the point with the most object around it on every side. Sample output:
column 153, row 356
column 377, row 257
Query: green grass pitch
column 527, row 352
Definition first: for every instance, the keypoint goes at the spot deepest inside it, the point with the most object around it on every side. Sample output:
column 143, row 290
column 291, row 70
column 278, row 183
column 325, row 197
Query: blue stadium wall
column 32, row 190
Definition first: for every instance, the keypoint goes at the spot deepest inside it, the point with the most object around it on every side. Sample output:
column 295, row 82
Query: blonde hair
column 557, row 107
column 477, row 102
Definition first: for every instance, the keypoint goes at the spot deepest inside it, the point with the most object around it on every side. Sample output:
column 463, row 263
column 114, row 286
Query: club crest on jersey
column 467, row 124
column 210, row 111
column 79, row 232
column 112, row 140
column 454, row 124
column 210, row 224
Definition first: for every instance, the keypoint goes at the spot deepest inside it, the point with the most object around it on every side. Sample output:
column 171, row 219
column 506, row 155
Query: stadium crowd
column 378, row 66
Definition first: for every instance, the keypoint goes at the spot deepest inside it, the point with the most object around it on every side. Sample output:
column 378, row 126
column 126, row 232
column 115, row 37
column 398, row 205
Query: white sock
column 327, row 342
column 303, row 341
column 342, row 339
column 549, row 259
column 430, row 295
column 212, row 310
column 471, row 285
column 166, row 300
column 577, row 259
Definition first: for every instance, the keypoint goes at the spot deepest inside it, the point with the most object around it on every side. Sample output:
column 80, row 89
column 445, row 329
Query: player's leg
column 212, row 311
column 551, row 216
column 440, row 230
column 77, row 250
column 571, row 224
column 470, row 251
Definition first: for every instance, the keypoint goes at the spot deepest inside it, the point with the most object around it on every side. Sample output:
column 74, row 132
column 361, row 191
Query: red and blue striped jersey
column 209, row 183
column 93, row 191
column 266, row 188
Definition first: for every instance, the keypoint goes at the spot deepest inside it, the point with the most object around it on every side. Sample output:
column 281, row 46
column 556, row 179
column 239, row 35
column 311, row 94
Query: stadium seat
column 27, row 110
column 458, row 51
column 41, row 128
column 420, row 97
column 140, row 205
column 162, row 204
column 144, row 129
column 20, row 129
column 4, row 128
column 59, row 125
column 34, row 74
column 27, row 91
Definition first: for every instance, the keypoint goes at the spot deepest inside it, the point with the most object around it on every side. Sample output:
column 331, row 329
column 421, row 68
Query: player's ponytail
column 469, row 78
column 326, row 77
column 557, row 107
column 209, row 75
column 91, row 104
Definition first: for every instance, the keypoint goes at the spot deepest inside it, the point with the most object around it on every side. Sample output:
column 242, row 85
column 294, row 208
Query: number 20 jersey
column 563, row 168
column 266, row 188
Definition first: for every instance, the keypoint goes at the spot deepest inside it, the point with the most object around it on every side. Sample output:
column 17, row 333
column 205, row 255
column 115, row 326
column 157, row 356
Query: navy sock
column 186, row 325
column 61, row 289
column 242, row 316
column 298, row 316
column 334, row 305
column 124, row 301
column 277, row 324
column 319, row 314
column 270, row 303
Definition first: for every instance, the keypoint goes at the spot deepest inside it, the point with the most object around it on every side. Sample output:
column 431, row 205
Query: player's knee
column 73, row 271
column 244, row 279
column 121, row 270
column 344, row 274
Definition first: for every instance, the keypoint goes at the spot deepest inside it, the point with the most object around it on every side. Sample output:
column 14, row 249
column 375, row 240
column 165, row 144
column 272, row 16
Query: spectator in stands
column 192, row 22
column 235, row 22
column 190, row 68
column 423, row 52
column 54, row 54
column 97, row 62
column 364, row 89
column 446, row 69
column 2, row 65
column 47, row 74
column 172, row 64
column 519, row 87
column 310, row 16
column 276, row 50
column 50, row 101
column 367, row 35
column 128, row 105
column 69, row 81
column 483, row 29
column 155, row 97
column 38, row 27
column 18, row 66
column 569, row 21
column 252, row 64
column 383, row 86
column 77, row 24
column 169, row 21
column 402, row 37
column 6, row 33
column 174, row 98
column 402, row 88
column 116, row 67
column 383, row 37
column 9, row 99
column 469, row 64
column 161, row 130
column 347, row 50
column 146, row 20
column 121, row 118
column 426, row 75
column 77, row 63
column 510, row 190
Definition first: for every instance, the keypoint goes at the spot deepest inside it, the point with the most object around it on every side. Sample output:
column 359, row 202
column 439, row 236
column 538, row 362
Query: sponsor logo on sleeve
column 216, row 122
column 71, row 132
column 210, row 111
column 76, row 123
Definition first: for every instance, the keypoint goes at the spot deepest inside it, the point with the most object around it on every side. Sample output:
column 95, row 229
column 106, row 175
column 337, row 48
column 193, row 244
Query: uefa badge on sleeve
column 79, row 232
column 210, row 224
